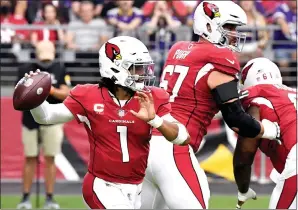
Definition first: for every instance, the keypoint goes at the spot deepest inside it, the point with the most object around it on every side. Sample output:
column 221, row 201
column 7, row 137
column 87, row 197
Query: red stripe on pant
column 288, row 193
column 184, row 165
column 89, row 195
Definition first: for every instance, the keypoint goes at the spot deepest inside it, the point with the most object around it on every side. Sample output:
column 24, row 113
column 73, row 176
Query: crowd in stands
column 91, row 23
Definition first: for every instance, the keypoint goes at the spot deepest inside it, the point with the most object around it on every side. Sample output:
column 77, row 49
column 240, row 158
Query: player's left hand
column 147, row 110
column 243, row 197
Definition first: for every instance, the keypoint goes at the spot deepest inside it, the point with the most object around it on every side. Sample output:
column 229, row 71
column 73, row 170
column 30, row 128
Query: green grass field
column 76, row 202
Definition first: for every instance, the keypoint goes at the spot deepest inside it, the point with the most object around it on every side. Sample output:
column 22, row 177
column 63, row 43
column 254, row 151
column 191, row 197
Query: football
column 31, row 92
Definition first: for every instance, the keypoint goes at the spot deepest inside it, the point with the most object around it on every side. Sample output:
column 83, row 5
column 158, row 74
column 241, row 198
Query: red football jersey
column 119, row 141
column 276, row 103
column 185, row 78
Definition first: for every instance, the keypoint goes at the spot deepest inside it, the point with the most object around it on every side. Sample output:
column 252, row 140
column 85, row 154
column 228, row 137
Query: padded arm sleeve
column 235, row 116
column 51, row 113
column 233, row 112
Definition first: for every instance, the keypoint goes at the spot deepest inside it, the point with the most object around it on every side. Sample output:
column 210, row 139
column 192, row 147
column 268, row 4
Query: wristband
column 156, row 122
column 182, row 135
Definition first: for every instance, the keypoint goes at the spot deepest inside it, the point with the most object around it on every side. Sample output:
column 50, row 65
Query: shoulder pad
column 175, row 46
column 160, row 94
column 161, row 101
column 80, row 90
column 224, row 60
column 251, row 93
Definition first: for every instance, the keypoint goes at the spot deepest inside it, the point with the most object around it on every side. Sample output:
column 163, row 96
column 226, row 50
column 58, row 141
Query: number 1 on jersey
column 122, row 130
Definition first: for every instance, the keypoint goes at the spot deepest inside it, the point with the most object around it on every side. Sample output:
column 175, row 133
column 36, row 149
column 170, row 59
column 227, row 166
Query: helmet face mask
column 141, row 75
column 233, row 40
column 126, row 60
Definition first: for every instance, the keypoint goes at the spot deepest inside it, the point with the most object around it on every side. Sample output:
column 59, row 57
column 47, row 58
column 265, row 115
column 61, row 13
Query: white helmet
column 127, row 62
column 260, row 71
column 216, row 14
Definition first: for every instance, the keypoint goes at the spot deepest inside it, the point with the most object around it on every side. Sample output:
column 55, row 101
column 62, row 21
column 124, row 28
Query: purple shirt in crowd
column 291, row 18
column 116, row 13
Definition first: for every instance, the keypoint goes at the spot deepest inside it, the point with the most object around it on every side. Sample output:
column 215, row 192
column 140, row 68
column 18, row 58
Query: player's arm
column 51, row 113
column 71, row 108
column 170, row 128
column 161, row 119
column 244, row 155
column 225, row 92
column 173, row 131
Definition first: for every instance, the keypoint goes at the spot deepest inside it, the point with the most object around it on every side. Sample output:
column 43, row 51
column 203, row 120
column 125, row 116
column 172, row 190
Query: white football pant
column 173, row 172
column 101, row 194
column 284, row 195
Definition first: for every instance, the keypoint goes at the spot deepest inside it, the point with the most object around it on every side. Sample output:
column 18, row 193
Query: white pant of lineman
column 173, row 172
column 284, row 195
column 101, row 194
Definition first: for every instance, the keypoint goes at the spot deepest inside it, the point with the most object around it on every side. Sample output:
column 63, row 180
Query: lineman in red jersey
column 201, row 79
column 118, row 115
column 269, row 99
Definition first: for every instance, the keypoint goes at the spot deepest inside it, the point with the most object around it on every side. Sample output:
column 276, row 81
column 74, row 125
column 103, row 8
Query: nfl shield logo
column 121, row 113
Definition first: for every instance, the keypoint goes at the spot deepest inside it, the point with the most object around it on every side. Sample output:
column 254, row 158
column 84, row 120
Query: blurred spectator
column 64, row 10
column 286, row 39
column 35, row 9
column 191, row 5
column 7, row 16
column 87, row 33
column 75, row 8
column 161, row 19
column 178, row 9
column 189, row 22
column 126, row 18
column 108, row 5
column 98, row 7
column 50, row 136
column 256, row 40
column 49, row 18
column 161, row 30
column 267, row 8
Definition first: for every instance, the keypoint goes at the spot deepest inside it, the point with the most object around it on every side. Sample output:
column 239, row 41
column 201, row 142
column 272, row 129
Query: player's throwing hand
column 147, row 110
column 243, row 197
column 26, row 76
